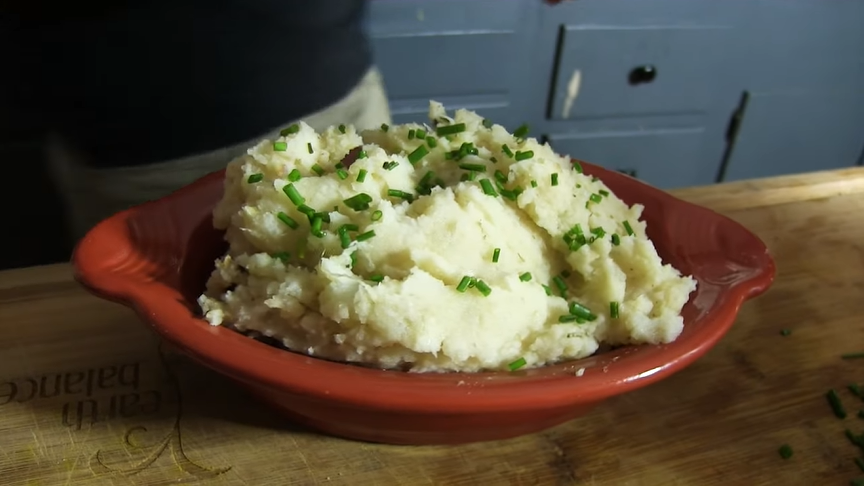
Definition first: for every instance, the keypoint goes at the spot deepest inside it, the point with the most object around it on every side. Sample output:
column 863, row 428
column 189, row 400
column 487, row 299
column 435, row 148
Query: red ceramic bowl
column 156, row 258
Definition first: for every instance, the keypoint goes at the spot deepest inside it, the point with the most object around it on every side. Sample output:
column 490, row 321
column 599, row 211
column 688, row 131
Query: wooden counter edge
column 725, row 197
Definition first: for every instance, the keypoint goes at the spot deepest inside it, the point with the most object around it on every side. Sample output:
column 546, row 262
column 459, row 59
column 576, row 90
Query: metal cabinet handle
column 642, row 74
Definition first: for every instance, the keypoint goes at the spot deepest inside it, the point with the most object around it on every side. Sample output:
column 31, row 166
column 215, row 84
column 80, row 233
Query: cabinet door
column 456, row 52
column 663, row 158
column 788, row 133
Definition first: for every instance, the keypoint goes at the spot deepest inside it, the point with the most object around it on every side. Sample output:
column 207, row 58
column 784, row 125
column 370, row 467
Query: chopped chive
column 342, row 128
column 483, row 288
column 377, row 278
column 400, row 194
column 317, row 222
column 507, row 150
column 595, row 198
column 500, row 177
column 280, row 146
column 342, row 174
column 861, row 414
column 628, row 228
column 785, row 451
column 282, row 256
column 420, row 134
column 616, row 240
column 496, row 254
column 568, row 318
column 581, row 311
column 836, row 404
column 533, row 183
column 427, row 177
column 555, row 179
column 785, row 332
column 604, row 192
column 473, row 167
column 385, row 127
column 344, row 238
column 521, row 131
column 317, row 169
column 362, row 155
column 309, row 212
column 324, row 216
column 361, row 176
column 854, row 439
column 506, row 194
column 418, row 154
column 309, row 148
column 560, row 284
column 390, row 165
column 294, row 175
column 464, row 283
column 853, row 355
column 290, row 130
column 547, row 289
column 494, row 159
column 359, row 202
column 525, row 277
column 856, row 390
column 598, row 232
column 487, row 123
column 576, row 229
column 519, row 363
column 860, row 463
column 524, row 155
column 287, row 220
column 349, row 227
column 576, row 166
column 594, row 179
column 365, row 236
column 293, row 194
column 431, row 142
column 376, row 215
column 254, row 178
column 487, row 187
column 353, row 258
column 450, row 129
column 614, row 309
column 411, row 134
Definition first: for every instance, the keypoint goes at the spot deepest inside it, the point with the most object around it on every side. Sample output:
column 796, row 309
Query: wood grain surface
column 88, row 396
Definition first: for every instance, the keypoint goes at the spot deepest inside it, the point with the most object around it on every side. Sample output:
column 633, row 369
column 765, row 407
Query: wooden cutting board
column 88, row 396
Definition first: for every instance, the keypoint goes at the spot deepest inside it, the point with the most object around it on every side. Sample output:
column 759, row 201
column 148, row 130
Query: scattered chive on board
column 860, row 463
column 519, row 363
column 836, row 404
column 785, row 451
column 853, row 355
column 785, row 332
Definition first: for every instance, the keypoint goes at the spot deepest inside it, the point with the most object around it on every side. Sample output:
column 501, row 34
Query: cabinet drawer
column 638, row 71
column 663, row 158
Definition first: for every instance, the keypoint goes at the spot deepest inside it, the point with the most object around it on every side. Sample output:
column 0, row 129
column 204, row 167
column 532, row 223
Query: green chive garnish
column 420, row 134
column 854, row 439
column 464, row 283
column 519, row 363
column 344, row 237
column 280, row 146
column 365, row 236
column 616, row 240
column 628, row 228
column 473, row 167
column 522, row 131
column 555, row 179
column 496, row 254
column 856, row 390
column 507, row 150
column 853, row 355
column 860, row 463
column 487, row 123
column 317, row 222
column 390, row 165
column 500, row 177
column 581, row 311
column 577, row 166
column 254, row 178
column 836, row 404
column 362, row 155
column 785, row 451
column 400, row 194
column 613, row 309
column 450, row 129
column 547, row 289
column 418, row 154
column 525, row 277
column 560, row 284
column 487, row 187
column 359, row 202
column 309, row 148
column 494, row 159
column 294, row 175
column 376, row 215
column 411, row 134
column 483, row 288
column 361, row 176
column 568, row 318
column 282, row 256
column 524, row 155
column 785, row 332
column 603, row 192
column 595, row 198
column 431, row 142
column 317, row 169
column 293, row 194
column 290, row 130
column 287, row 220
column 342, row 128
column 598, row 232
column 353, row 258
column 385, row 127
column 377, row 278
column 342, row 174
column 309, row 212
column 533, row 183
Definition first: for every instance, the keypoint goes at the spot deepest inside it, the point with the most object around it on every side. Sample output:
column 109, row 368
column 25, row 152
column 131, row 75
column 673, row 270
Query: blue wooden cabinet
column 651, row 86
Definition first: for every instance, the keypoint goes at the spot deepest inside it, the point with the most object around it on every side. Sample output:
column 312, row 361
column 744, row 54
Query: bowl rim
column 248, row 360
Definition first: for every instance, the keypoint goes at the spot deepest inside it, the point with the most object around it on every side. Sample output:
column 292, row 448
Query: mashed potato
column 457, row 247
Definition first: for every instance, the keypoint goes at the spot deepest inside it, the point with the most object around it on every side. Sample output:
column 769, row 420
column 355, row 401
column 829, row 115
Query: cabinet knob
column 642, row 74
